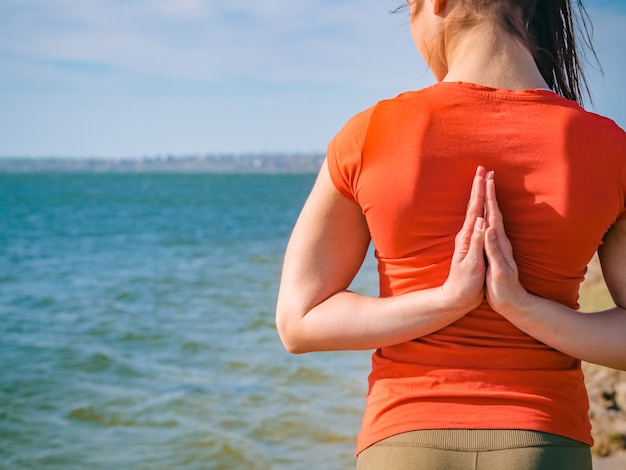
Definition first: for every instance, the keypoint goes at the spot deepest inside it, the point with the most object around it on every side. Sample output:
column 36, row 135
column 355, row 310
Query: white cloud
column 119, row 77
column 316, row 41
column 309, row 40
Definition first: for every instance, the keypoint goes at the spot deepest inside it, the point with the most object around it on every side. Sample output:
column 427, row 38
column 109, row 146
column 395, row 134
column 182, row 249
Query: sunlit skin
column 500, row 62
column 316, row 312
column 599, row 338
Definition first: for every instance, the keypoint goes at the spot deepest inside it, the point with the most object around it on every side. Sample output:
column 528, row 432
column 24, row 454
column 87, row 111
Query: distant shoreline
column 219, row 163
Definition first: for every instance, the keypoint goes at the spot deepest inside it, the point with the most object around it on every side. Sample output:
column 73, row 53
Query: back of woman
column 408, row 163
column 485, row 196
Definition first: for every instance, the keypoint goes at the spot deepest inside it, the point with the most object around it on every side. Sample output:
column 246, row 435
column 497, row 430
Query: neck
column 488, row 56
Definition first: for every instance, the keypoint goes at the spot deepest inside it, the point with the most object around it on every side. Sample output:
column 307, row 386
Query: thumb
column 476, row 248
column 498, row 250
column 492, row 247
column 495, row 254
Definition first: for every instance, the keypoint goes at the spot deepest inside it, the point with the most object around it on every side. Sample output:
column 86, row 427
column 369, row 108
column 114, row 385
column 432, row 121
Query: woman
column 477, row 335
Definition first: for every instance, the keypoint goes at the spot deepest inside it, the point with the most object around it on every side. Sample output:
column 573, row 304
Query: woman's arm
column 599, row 338
column 316, row 312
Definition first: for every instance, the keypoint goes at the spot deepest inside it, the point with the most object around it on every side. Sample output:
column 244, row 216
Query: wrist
column 455, row 304
column 516, row 309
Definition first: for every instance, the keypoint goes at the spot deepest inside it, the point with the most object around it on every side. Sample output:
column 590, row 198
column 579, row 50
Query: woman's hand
column 505, row 294
column 464, row 289
column 599, row 337
column 316, row 312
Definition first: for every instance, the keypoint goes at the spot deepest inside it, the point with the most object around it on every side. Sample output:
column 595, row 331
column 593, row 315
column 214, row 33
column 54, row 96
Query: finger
column 494, row 216
column 495, row 259
column 492, row 208
column 488, row 176
column 475, row 206
column 477, row 194
column 497, row 254
column 475, row 209
column 476, row 248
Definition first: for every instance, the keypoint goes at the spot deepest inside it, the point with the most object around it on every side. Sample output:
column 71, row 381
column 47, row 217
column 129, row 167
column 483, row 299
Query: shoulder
column 605, row 143
column 352, row 136
column 409, row 101
column 601, row 133
column 344, row 154
column 360, row 121
column 603, row 123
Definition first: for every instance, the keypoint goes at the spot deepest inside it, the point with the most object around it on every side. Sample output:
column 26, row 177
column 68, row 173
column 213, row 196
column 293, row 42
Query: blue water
column 137, row 328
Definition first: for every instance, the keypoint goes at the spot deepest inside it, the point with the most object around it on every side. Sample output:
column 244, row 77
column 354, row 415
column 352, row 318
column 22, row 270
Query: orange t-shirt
column 561, row 182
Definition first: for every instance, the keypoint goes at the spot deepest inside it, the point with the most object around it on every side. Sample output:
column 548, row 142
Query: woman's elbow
column 288, row 325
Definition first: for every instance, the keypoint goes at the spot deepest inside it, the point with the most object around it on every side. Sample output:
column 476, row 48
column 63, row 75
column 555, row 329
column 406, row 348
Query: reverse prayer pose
column 485, row 196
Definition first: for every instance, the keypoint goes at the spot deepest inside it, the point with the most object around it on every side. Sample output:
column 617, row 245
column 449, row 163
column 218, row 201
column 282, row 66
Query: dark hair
column 554, row 34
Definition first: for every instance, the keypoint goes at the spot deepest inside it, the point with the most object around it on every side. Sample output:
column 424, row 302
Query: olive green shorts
column 461, row 449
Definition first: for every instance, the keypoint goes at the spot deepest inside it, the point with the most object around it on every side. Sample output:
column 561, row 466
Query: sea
column 137, row 327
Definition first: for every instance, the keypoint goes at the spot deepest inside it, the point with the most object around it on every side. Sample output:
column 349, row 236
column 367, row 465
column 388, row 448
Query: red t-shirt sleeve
column 344, row 154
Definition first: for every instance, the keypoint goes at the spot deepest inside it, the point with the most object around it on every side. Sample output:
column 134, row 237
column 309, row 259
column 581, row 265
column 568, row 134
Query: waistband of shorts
column 477, row 440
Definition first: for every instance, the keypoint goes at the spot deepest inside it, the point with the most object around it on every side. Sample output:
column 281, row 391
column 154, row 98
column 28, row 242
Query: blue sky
column 145, row 77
